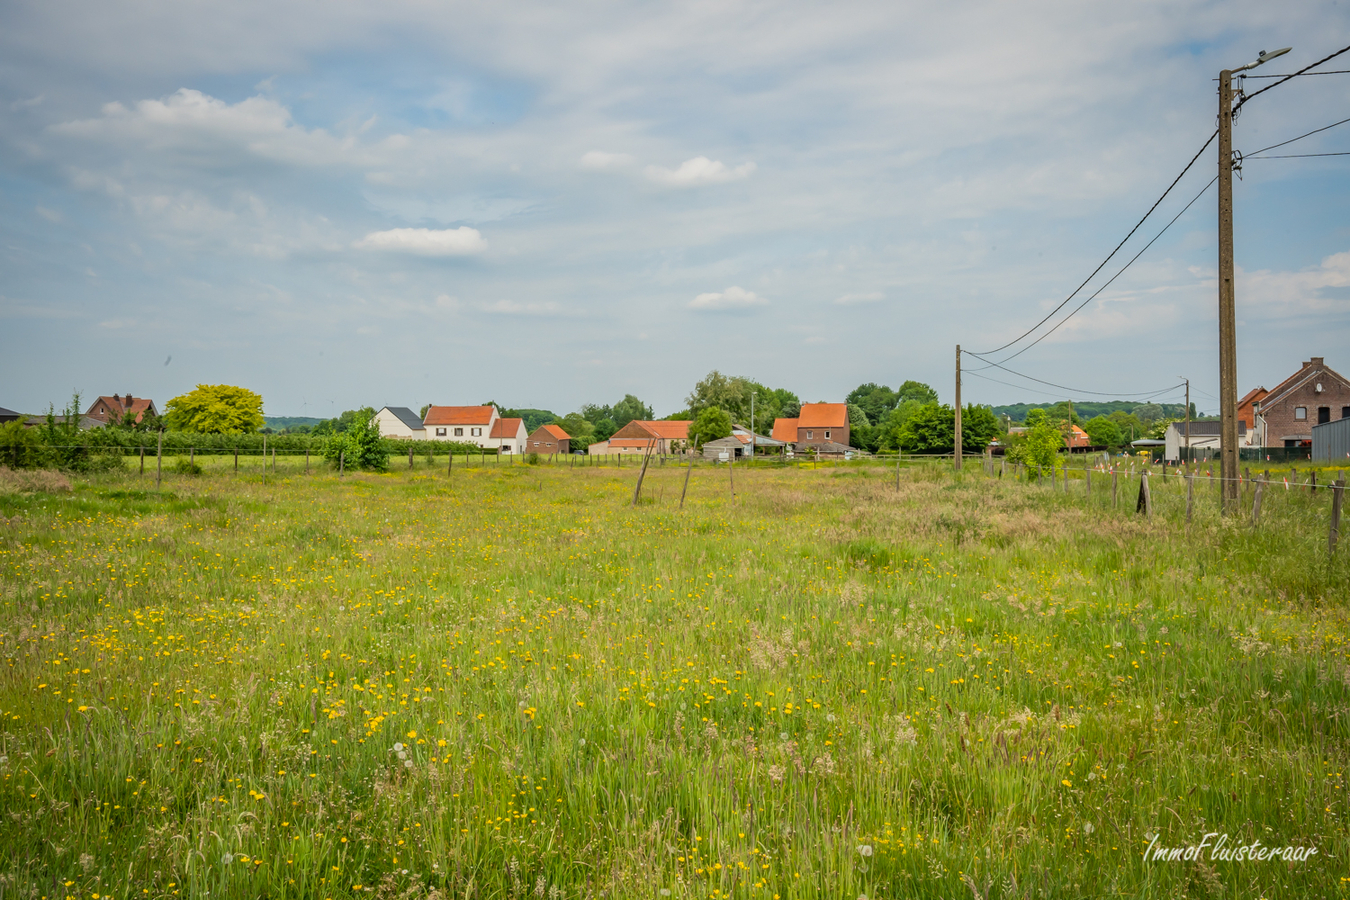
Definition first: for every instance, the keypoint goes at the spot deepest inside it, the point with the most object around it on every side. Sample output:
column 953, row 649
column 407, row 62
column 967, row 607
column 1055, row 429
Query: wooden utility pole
column 1228, row 456
column 956, row 450
column 1187, row 456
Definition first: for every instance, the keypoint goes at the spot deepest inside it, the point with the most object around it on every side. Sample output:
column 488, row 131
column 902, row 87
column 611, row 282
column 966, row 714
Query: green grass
column 997, row 688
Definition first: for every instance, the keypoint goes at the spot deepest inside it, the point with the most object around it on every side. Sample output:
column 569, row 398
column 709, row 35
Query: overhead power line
column 1299, row 138
column 1080, row 390
column 1298, row 155
column 1291, row 75
column 1022, row 387
column 1095, row 293
column 1109, row 256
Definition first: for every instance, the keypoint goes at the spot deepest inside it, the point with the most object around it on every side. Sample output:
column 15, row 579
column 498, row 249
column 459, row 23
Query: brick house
column 466, row 424
column 816, row 425
column 549, row 439
column 508, row 435
column 664, row 437
column 1246, row 414
column 1313, row 395
column 112, row 410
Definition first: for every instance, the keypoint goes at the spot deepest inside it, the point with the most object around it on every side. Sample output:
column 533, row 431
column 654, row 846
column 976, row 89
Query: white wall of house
column 392, row 426
column 511, row 444
column 468, row 434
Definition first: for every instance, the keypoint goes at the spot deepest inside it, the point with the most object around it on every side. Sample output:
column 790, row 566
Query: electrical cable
column 1080, row 391
column 1296, row 156
column 1112, row 254
column 1301, row 71
column 1108, row 283
column 1174, row 388
column 1299, row 138
column 1330, row 72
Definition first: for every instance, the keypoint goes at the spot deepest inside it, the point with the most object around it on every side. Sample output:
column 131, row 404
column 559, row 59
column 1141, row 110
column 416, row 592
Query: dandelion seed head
column 865, row 850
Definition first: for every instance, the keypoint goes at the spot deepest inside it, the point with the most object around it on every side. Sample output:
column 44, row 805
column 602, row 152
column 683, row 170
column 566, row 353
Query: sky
column 544, row 205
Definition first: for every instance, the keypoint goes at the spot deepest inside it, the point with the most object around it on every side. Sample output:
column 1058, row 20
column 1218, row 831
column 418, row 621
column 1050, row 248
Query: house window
column 440, row 432
column 475, row 432
column 827, row 435
column 1345, row 412
column 810, row 435
column 1323, row 414
column 459, row 432
column 1300, row 412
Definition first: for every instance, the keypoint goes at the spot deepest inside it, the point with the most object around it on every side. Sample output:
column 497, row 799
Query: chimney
column 1317, row 361
column 116, row 399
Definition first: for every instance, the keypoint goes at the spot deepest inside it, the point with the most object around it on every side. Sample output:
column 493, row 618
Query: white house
column 466, row 424
column 400, row 422
column 1204, row 438
column 508, row 435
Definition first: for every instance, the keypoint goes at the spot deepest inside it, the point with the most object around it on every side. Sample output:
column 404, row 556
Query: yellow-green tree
column 216, row 409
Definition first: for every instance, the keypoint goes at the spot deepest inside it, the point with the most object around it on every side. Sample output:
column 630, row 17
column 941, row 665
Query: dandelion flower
column 865, row 850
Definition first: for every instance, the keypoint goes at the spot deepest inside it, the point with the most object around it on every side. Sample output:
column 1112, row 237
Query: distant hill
column 1087, row 409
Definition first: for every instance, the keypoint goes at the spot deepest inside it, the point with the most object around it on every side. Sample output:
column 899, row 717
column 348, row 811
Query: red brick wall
column 1281, row 415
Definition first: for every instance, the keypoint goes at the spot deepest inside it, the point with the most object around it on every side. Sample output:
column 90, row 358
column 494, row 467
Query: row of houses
column 819, row 427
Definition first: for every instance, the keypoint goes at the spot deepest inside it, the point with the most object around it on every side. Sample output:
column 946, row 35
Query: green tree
column 628, row 409
column 712, row 423
column 360, row 442
column 1102, row 432
column 932, row 428
column 21, row 446
column 917, row 390
column 1149, row 413
column 734, row 395
column 581, row 432
column 875, row 400
column 215, row 409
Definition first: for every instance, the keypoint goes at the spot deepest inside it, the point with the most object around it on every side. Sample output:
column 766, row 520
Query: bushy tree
column 733, row 395
column 360, row 443
column 932, row 428
column 874, row 400
column 215, row 409
column 712, row 423
column 581, row 432
column 628, row 409
column 21, row 447
column 918, row 391
column 1102, row 432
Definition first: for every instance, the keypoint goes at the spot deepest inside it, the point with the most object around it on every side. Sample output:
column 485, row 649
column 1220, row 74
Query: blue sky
column 550, row 205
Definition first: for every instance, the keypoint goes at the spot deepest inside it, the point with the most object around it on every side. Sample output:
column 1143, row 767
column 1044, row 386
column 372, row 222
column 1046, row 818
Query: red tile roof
column 112, row 409
column 672, row 431
column 553, row 431
column 458, row 415
column 785, row 430
column 507, row 428
column 823, row 415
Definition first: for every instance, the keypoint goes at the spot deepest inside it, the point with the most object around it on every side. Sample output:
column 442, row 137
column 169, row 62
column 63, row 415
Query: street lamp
column 1228, row 445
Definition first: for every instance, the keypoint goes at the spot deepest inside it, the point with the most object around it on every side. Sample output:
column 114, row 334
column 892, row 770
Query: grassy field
column 508, row 682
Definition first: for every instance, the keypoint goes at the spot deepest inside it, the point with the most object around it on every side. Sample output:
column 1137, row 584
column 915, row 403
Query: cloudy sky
column 548, row 204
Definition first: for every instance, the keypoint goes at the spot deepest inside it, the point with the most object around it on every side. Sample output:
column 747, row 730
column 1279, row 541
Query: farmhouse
column 112, row 410
column 400, row 422
column 816, row 425
column 663, row 437
column 549, row 439
column 1313, row 395
column 508, row 435
column 466, row 424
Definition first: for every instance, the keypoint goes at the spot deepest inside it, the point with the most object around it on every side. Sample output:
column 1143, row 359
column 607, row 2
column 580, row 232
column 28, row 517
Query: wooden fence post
column 731, row 471
column 1115, row 478
column 689, row 470
column 1256, row 502
column 1312, row 481
column 274, row 460
column 1190, row 495
column 1145, row 504
column 142, row 460
column 637, row 488
column 897, row 470
column 159, row 458
column 192, row 458
column 1337, row 495
column 410, row 452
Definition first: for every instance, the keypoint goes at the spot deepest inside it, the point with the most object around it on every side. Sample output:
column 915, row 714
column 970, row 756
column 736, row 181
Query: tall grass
column 508, row 682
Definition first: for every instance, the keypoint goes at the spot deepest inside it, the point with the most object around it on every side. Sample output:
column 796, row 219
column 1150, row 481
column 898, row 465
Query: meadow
column 508, row 681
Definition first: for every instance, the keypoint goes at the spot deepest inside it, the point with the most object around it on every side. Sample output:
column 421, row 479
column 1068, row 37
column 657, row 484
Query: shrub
column 185, row 465
column 359, row 446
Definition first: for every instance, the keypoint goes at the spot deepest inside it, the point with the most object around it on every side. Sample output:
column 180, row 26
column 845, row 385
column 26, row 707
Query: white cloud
column 599, row 159
column 190, row 121
column 461, row 241
column 733, row 298
column 870, row 297
column 1302, row 291
column 515, row 308
column 699, row 170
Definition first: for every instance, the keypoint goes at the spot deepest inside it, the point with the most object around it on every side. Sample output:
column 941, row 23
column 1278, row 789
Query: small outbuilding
column 549, row 439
